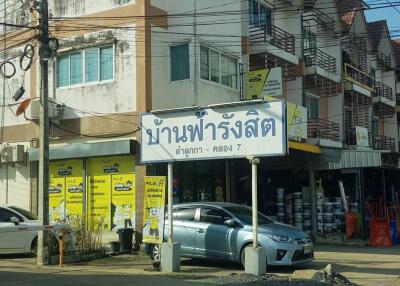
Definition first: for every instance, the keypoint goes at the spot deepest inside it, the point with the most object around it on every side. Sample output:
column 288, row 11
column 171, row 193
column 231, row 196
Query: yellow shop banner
column 123, row 201
column 111, row 165
column 66, row 168
column 153, row 213
column 73, row 197
column 99, row 206
column 56, row 199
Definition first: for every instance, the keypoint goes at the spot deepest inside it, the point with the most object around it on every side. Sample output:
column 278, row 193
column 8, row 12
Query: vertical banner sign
column 264, row 82
column 99, row 201
column 73, row 196
column 153, row 212
column 68, row 173
column 56, row 199
column 123, row 201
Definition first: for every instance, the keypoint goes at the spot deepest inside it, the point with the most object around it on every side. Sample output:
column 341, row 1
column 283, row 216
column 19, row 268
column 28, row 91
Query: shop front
column 94, row 184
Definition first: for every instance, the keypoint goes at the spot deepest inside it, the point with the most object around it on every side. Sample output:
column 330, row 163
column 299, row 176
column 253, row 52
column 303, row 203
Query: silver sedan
column 223, row 230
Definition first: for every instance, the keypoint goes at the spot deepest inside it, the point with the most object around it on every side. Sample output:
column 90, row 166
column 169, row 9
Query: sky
column 390, row 14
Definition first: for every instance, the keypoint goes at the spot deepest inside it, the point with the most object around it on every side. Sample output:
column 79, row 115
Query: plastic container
column 328, row 217
column 280, row 193
column 125, row 236
column 328, row 207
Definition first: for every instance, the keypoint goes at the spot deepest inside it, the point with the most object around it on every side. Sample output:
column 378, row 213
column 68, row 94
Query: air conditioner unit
column 12, row 154
column 33, row 111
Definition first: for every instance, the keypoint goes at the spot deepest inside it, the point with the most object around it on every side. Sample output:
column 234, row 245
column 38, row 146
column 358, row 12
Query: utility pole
column 43, row 250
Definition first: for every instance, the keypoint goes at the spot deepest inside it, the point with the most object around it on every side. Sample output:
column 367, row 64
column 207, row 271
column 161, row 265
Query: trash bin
column 125, row 236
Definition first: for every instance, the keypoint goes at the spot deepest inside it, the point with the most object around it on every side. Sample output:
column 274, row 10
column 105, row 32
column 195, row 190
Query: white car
column 19, row 231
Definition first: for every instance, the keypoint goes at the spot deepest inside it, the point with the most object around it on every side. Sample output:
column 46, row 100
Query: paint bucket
column 328, row 207
column 307, row 223
column 328, row 217
column 320, row 218
column 328, row 227
column 297, row 195
column 280, row 193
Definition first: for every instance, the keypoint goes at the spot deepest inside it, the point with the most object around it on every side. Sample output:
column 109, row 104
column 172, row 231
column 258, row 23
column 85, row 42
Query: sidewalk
column 361, row 265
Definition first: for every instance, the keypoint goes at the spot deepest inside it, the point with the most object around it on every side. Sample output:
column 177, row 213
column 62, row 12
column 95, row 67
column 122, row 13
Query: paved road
column 364, row 266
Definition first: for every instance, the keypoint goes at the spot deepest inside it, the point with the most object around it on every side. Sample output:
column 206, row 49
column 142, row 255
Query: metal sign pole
column 170, row 202
column 254, row 206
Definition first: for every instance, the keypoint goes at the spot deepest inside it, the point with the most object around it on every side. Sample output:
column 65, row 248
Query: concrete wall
column 116, row 96
column 15, row 184
column 62, row 8
column 221, row 32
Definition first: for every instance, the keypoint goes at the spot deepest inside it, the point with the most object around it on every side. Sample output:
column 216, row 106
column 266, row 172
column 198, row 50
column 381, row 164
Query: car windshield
column 244, row 214
column 25, row 213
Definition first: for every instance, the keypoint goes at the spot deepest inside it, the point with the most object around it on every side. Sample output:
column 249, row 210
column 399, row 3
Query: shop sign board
column 362, row 136
column 297, row 122
column 264, row 82
column 238, row 130
column 154, row 208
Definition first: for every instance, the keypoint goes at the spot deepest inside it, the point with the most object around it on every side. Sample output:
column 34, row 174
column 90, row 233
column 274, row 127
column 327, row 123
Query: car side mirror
column 14, row 220
column 231, row 223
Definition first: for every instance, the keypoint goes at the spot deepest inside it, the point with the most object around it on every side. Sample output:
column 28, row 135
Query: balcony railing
column 273, row 35
column 318, row 16
column 316, row 57
column 382, row 90
column 383, row 143
column 323, row 129
column 359, row 77
column 383, row 61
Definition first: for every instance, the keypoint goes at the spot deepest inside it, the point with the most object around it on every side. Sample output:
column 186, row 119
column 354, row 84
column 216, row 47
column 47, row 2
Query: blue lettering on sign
column 254, row 126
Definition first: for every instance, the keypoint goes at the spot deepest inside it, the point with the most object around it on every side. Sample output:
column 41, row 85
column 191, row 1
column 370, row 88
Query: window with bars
column 260, row 16
column 218, row 67
column 312, row 104
column 85, row 66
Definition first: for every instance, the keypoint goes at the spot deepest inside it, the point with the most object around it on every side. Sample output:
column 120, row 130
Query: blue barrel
column 393, row 232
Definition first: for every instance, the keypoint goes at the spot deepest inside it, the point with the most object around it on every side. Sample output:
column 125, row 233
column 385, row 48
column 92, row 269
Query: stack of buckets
column 338, row 213
column 307, row 225
column 298, row 210
column 280, row 214
column 320, row 213
column 329, row 223
column 289, row 209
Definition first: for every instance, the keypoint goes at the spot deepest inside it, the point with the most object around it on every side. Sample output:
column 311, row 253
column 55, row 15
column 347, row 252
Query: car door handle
column 200, row 231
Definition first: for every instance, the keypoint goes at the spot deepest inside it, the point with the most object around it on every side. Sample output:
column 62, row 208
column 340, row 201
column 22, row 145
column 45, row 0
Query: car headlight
column 280, row 238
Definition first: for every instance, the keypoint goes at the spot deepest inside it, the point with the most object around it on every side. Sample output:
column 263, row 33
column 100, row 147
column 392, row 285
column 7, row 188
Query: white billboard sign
column 225, row 131
column 362, row 136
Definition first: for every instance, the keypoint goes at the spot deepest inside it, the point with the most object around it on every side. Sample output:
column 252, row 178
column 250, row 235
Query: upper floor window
column 310, row 40
column 260, row 16
column 180, row 68
column 218, row 67
column 312, row 104
column 91, row 65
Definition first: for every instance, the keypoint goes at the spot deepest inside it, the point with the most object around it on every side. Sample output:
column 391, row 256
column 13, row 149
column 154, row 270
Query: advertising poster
column 56, row 199
column 153, row 213
column 73, row 197
column 123, row 201
column 111, row 165
column 99, row 205
column 264, row 82
column 66, row 168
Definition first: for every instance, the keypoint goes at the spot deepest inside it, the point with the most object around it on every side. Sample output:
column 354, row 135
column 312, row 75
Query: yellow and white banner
column 99, row 207
column 73, row 197
column 153, row 212
column 264, row 82
column 123, row 201
column 56, row 199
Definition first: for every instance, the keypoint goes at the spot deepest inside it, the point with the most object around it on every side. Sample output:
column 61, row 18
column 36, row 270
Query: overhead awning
column 334, row 159
column 82, row 150
column 309, row 148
